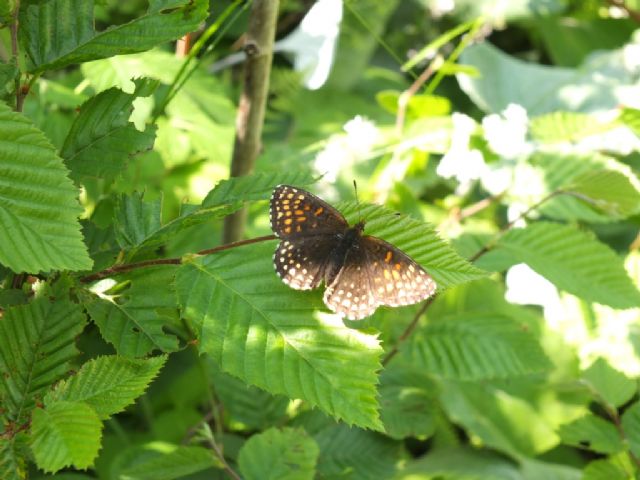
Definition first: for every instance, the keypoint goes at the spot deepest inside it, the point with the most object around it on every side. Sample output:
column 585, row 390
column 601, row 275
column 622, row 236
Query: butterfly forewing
column 300, row 262
column 296, row 213
column 395, row 278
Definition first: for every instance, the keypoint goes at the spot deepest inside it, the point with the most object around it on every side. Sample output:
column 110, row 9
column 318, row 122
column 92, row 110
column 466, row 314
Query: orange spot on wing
column 307, row 208
column 287, row 229
column 301, row 219
column 298, row 212
column 388, row 256
column 318, row 211
column 287, row 221
column 397, row 266
column 298, row 228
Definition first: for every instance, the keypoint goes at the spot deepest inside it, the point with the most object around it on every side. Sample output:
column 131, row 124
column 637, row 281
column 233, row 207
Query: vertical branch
column 13, row 28
column 253, row 100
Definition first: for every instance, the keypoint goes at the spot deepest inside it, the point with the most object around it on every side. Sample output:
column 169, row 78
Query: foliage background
column 519, row 146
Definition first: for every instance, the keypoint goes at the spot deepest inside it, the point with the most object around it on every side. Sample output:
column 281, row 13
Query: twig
column 253, row 101
column 216, row 448
column 403, row 100
column 115, row 269
column 414, row 323
column 633, row 14
column 13, row 28
column 457, row 215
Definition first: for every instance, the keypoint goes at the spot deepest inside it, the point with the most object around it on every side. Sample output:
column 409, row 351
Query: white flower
column 506, row 133
column 461, row 162
column 526, row 287
column 362, row 135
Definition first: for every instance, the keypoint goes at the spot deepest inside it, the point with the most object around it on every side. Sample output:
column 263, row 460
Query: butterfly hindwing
column 351, row 293
column 300, row 262
column 296, row 213
column 396, row 278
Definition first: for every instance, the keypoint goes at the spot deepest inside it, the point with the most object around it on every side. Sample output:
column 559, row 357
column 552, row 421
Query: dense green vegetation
column 496, row 143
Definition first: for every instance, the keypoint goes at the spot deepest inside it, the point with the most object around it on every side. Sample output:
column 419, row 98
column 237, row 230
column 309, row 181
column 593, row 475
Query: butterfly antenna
column 355, row 188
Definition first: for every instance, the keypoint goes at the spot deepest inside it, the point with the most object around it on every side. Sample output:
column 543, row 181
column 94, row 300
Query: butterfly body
column 360, row 271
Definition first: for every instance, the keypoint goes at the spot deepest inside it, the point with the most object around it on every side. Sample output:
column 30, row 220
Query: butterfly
column 360, row 272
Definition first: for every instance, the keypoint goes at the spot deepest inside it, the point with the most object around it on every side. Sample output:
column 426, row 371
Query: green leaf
column 614, row 193
column 631, row 427
column 57, row 33
column 498, row 419
column 566, row 127
column 408, row 401
column 573, row 260
column 593, row 433
column 612, row 386
column 601, row 83
column 12, row 462
column 107, row 384
column 477, row 345
column 616, row 467
column 287, row 454
column 418, row 106
column 134, row 322
column 38, row 203
column 65, row 434
column 251, row 328
column 37, row 343
column 257, row 186
column 101, row 139
column 418, row 240
column 254, row 408
column 356, row 454
column 161, row 461
column 631, row 118
column 136, row 220
column 459, row 464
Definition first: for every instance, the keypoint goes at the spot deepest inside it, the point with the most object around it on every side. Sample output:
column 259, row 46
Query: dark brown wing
column 296, row 213
column 395, row 277
column 351, row 293
column 301, row 263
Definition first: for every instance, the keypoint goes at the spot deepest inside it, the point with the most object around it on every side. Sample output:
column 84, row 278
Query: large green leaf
column 246, row 406
column 609, row 384
column 604, row 81
column 418, row 239
column 477, row 345
column 137, row 223
column 38, row 202
column 356, row 454
column 573, row 260
column 107, row 384
column 257, row 186
column 57, row 33
column 102, row 139
column 631, row 427
column 37, row 343
column 408, row 401
column 460, row 464
column 133, row 319
column 257, row 329
column 287, row 454
column 593, row 433
column 161, row 461
column 498, row 419
column 65, row 434
column 567, row 127
column 12, row 462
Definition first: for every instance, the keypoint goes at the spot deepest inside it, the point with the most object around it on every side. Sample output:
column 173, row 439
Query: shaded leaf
column 631, row 427
column 592, row 433
column 612, row 386
column 133, row 322
column 136, row 220
column 289, row 454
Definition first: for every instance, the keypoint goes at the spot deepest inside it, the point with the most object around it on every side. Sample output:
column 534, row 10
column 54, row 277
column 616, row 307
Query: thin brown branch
column 253, row 101
column 126, row 267
column 15, row 52
column 408, row 331
column 633, row 14
column 403, row 100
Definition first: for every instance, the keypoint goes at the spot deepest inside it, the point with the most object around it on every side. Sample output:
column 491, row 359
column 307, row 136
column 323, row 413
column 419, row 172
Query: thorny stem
column 414, row 323
column 168, row 261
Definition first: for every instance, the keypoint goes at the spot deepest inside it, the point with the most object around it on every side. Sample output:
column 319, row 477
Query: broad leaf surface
column 38, row 203
column 107, row 384
column 255, row 328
